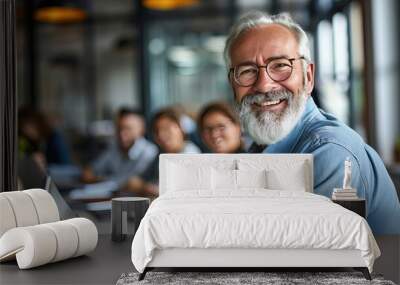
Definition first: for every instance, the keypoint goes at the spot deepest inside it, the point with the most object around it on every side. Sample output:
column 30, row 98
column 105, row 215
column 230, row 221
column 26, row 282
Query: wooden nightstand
column 355, row 205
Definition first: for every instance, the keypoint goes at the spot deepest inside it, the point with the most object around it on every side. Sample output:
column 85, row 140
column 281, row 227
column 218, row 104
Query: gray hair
column 256, row 18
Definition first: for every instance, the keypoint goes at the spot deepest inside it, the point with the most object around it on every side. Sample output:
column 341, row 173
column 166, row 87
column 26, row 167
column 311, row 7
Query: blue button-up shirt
column 114, row 165
column 331, row 142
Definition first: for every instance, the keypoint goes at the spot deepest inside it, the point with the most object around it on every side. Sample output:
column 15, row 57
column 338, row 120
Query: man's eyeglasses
column 278, row 69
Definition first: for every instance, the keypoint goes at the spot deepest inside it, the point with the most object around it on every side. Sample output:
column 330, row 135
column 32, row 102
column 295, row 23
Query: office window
column 186, row 62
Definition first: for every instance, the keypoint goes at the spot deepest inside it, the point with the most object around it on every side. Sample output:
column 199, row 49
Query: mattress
column 250, row 219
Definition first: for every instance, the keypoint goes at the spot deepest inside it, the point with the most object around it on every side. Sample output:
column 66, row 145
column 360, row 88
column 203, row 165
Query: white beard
column 271, row 127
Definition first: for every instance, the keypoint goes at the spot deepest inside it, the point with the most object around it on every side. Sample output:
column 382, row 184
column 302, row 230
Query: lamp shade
column 61, row 11
column 168, row 4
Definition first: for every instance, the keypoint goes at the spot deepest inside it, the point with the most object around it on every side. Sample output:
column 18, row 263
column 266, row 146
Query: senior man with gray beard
column 272, row 76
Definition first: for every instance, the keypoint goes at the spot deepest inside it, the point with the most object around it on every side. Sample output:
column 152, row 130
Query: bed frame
column 233, row 259
column 236, row 259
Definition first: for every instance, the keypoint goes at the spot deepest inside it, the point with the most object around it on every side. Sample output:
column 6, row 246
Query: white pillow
column 183, row 177
column 251, row 178
column 294, row 179
column 223, row 179
column 282, row 173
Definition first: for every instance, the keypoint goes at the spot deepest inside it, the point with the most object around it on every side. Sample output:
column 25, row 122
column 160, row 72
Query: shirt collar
column 137, row 148
column 287, row 144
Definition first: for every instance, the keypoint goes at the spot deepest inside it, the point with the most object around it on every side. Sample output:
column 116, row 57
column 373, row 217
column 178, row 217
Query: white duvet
column 253, row 218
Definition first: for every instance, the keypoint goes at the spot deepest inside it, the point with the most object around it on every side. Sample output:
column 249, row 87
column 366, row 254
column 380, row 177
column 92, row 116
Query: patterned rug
column 230, row 278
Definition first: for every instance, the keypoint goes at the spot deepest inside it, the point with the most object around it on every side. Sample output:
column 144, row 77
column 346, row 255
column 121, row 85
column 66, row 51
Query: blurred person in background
column 169, row 134
column 38, row 138
column 130, row 154
column 219, row 128
column 170, row 138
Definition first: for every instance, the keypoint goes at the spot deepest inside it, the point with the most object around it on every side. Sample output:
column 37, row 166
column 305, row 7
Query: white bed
column 247, row 210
